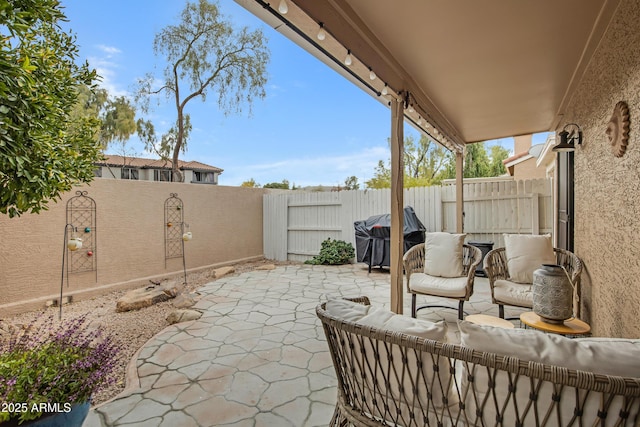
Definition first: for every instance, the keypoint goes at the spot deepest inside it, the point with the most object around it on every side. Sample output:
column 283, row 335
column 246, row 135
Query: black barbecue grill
column 373, row 234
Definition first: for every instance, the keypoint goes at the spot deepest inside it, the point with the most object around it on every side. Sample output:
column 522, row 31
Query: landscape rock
column 223, row 271
column 183, row 316
column 171, row 291
column 145, row 297
column 183, row 301
column 266, row 267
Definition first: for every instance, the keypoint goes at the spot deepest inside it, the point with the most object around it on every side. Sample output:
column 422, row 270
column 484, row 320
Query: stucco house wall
column 528, row 169
column 226, row 223
column 607, row 188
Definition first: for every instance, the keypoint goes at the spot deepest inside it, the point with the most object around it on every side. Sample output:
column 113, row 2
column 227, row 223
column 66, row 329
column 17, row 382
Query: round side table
column 486, row 320
column 571, row 326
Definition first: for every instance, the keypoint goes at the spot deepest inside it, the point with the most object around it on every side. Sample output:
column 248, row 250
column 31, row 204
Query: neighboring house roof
column 138, row 162
column 518, row 158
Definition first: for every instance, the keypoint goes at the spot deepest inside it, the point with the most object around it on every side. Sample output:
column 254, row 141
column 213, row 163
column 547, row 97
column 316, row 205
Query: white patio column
column 397, row 190
column 459, row 193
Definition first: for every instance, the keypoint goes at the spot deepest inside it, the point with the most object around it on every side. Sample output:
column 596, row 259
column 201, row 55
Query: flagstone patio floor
column 257, row 356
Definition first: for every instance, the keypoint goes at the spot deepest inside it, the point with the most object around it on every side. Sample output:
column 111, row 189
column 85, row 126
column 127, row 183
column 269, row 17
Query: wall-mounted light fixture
column 569, row 135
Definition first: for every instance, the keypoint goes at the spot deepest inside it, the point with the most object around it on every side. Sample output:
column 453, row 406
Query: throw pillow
column 443, row 254
column 526, row 253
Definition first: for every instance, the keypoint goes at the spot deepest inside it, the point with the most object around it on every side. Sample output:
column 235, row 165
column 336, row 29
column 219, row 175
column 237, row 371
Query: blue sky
column 313, row 127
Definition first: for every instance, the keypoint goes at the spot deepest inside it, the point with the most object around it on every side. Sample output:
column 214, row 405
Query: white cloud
column 106, row 64
column 109, row 50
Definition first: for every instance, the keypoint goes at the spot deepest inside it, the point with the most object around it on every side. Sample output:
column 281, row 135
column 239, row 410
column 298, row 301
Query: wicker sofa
column 388, row 377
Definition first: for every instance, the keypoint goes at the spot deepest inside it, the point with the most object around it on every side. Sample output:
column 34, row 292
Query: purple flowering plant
column 53, row 363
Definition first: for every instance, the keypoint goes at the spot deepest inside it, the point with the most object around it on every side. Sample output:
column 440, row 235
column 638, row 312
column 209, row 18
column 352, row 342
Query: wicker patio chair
column 459, row 288
column 392, row 379
column 495, row 266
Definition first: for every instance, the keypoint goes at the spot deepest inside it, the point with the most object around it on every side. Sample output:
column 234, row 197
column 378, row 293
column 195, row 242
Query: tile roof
column 138, row 162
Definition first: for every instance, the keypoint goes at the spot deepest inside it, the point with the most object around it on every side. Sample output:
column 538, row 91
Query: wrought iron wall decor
column 174, row 227
column 173, row 220
column 81, row 212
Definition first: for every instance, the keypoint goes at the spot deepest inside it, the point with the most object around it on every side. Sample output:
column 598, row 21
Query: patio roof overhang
column 473, row 70
column 461, row 71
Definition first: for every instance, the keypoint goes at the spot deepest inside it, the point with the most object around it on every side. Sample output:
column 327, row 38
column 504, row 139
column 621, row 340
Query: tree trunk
column 176, row 174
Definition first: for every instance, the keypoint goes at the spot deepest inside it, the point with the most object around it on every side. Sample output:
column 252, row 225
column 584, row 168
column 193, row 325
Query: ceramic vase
column 552, row 294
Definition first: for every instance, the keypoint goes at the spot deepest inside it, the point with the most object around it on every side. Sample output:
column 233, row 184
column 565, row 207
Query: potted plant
column 50, row 369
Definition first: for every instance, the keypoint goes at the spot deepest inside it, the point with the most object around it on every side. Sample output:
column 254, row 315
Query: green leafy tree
column 351, row 183
column 284, row 185
column 204, row 53
column 476, row 161
column 118, row 121
column 161, row 146
column 477, row 164
column 381, row 177
column 44, row 149
column 496, row 165
column 116, row 115
column 424, row 163
column 251, row 183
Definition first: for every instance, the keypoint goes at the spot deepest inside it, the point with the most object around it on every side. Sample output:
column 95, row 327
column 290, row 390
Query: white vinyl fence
column 295, row 224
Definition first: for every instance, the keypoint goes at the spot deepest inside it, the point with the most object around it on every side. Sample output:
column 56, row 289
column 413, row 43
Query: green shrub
column 333, row 252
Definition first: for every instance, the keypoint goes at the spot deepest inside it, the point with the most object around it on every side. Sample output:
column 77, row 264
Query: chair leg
column 413, row 306
column 501, row 311
column 460, row 310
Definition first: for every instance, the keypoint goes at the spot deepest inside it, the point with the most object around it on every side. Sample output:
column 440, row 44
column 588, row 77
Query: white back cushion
column 526, row 253
column 443, row 254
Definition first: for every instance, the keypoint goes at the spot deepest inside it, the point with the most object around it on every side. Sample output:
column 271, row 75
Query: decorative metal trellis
column 173, row 224
column 82, row 222
column 174, row 227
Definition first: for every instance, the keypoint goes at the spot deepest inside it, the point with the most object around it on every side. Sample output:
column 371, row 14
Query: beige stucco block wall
column 226, row 223
column 607, row 188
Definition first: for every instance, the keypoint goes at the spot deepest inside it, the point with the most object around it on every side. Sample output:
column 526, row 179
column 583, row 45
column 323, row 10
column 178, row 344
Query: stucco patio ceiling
column 475, row 70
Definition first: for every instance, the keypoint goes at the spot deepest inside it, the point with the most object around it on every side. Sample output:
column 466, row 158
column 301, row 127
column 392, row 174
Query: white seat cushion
column 525, row 254
column 455, row 287
column 443, row 254
column 598, row 355
column 512, row 293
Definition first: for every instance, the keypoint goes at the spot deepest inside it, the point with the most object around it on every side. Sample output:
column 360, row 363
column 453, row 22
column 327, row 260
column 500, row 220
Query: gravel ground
column 132, row 329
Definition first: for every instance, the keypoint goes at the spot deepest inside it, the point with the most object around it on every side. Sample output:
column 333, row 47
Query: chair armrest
column 495, row 266
column 472, row 257
column 413, row 261
column 364, row 300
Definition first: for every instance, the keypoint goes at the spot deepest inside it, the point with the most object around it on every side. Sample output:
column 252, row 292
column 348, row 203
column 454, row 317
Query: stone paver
column 257, row 356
